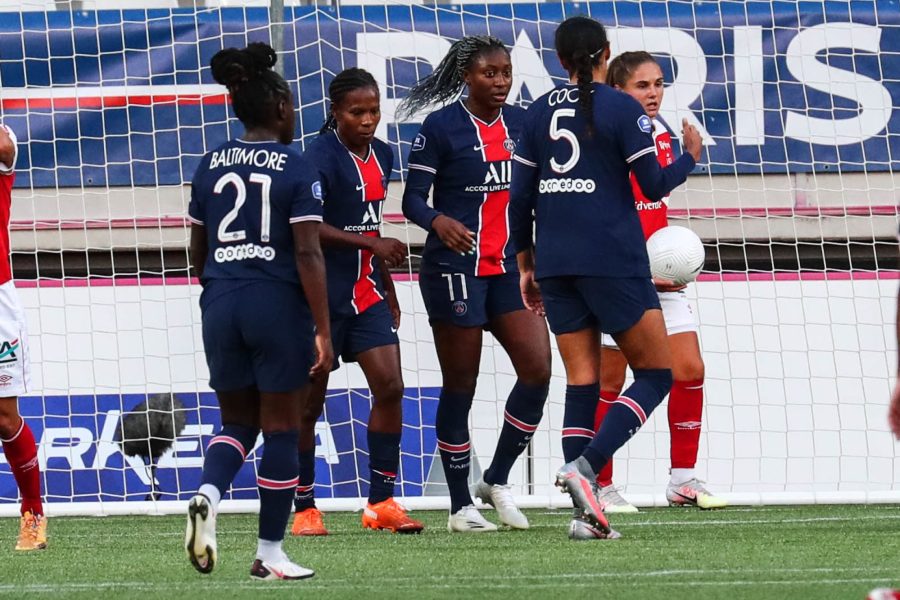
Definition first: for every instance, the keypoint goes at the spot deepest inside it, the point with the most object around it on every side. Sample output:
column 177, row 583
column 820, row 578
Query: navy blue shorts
column 609, row 304
column 469, row 301
column 353, row 335
column 258, row 335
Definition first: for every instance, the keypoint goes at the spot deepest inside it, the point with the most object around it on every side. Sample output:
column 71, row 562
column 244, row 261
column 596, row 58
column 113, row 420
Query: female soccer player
column 15, row 435
column 468, row 278
column 255, row 211
column 571, row 182
column 640, row 76
column 354, row 167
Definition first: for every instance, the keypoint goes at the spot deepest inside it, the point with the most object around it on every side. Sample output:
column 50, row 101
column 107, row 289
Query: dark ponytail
column 254, row 87
column 446, row 81
column 580, row 43
column 345, row 82
column 622, row 67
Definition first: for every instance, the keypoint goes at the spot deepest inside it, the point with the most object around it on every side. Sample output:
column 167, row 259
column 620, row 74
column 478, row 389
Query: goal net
column 795, row 200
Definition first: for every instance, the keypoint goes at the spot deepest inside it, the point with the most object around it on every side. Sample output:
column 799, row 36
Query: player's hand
column 324, row 357
column 531, row 293
column 394, row 305
column 454, row 234
column 389, row 250
column 667, row 285
column 894, row 411
column 691, row 140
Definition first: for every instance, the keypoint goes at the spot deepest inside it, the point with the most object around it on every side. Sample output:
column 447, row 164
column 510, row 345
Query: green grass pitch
column 737, row 553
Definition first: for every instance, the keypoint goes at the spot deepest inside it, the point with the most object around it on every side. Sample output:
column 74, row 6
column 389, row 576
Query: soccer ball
column 676, row 254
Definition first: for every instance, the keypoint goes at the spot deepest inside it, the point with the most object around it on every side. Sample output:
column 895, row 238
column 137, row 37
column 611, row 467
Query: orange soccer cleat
column 389, row 515
column 32, row 532
column 308, row 522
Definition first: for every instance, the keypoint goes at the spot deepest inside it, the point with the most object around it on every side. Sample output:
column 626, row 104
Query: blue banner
column 125, row 97
column 82, row 461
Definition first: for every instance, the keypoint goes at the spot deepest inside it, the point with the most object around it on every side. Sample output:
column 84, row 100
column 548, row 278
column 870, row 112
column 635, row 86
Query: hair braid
column 580, row 43
column 446, row 81
column 254, row 87
column 345, row 82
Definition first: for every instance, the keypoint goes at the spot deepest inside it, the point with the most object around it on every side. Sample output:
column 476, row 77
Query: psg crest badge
column 460, row 308
column 509, row 145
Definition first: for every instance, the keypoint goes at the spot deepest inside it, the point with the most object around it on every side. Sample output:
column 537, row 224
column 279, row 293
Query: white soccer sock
column 680, row 476
column 211, row 492
column 268, row 551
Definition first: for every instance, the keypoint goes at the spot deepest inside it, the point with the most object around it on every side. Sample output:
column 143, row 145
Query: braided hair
column 446, row 81
column 254, row 87
column 580, row 43
column 345, row 82
column 622, row 67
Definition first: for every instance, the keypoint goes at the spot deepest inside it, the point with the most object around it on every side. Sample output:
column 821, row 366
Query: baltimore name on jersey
column 353, row 193
column 247, row 195
column 468, row 161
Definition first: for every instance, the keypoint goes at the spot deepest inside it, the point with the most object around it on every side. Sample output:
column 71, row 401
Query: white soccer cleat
column 612, row 502
column 692, row 493
column 469, row 520
column 200, row 536
column 282, row 568
column 501, row 498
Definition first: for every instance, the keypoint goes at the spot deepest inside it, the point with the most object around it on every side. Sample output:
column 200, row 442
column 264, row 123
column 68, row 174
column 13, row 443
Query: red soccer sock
column 685, row 414
column 604, row 477
column 21, row 454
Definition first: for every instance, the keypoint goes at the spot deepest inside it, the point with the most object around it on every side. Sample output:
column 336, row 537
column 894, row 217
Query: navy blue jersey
column 469, row 163
column 353, row 193
column 247, row 195
column 577, row 184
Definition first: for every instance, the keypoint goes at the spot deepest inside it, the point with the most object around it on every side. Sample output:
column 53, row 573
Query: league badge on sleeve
column 644, row 124
column 317, row 190
column 418, row 143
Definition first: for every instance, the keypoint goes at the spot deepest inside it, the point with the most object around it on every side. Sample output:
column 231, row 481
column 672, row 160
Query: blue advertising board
column 775, row 86
column 81, row 460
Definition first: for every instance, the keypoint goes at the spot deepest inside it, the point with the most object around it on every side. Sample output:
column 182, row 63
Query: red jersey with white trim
column 353, row 193
column 7, row 178
column 655, row 215
column 471, row 163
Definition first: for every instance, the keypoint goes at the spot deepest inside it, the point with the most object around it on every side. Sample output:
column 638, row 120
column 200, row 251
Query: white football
column 676, row 254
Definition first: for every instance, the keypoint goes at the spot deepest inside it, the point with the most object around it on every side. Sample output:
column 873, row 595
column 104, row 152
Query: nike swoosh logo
column 458, row 458
column 480, row 148
column 393, row 330
column 360, row 187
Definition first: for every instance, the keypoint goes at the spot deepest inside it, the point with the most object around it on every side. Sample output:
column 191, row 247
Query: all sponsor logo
column 243, row 252
column 578, row 186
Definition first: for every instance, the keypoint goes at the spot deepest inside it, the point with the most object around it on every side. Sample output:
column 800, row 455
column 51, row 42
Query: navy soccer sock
column 225, row 455
column 524, row 409
column 304, row 497
column 578, row 418
column 384, row 460
column 452, row 427
column 277, row 480
column 628, row 414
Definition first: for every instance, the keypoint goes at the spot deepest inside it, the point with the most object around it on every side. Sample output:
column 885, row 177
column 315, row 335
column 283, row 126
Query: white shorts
column 15, row 367
column 677, row 311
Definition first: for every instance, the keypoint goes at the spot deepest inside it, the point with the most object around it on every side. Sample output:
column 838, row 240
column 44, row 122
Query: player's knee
column 660, row 380
column 388, row 392
column 461, row 383
column 9, row 424
column 691, row 369
column 310, row 413
column 537, row 374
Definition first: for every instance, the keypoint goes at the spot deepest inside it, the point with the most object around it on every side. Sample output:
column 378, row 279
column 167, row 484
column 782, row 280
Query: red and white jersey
column 654, row 215
column 7, row 177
